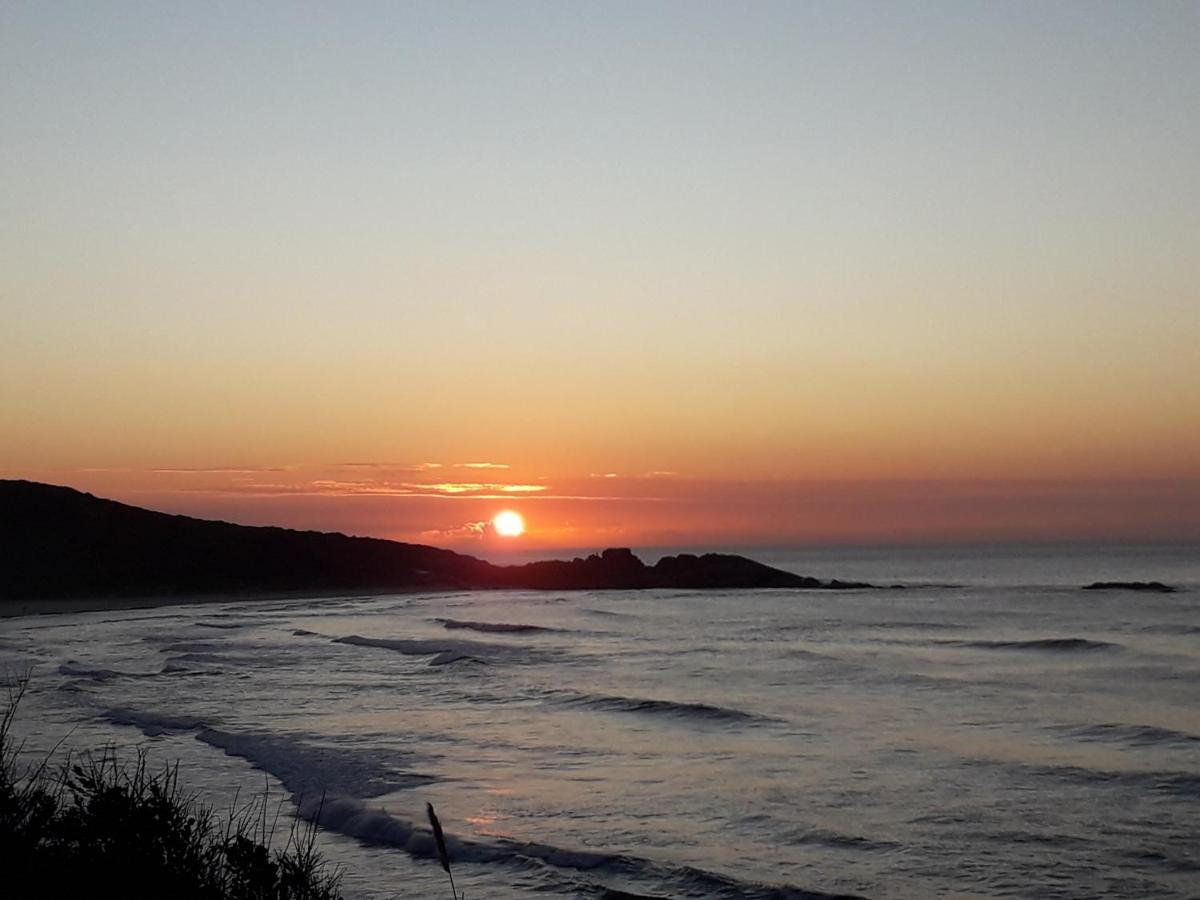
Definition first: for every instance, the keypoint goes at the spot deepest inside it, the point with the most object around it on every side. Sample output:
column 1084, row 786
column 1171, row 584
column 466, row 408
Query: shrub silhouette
column 101, row 826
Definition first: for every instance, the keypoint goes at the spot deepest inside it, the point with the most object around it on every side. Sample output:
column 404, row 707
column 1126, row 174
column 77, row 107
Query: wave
column 229, row 651
column 609, row 613
column 224, row 626
column 149, row 723
column 1170, row 861
column 74, row 669
column 331, row 786
column 1027, row 836
column 1170, row 783
column 492, row 627
column 174, row 667
column 374, row 826
column 201, row 658
column 415, row 646
column 312, row 770
column 1066, row 645
column 1136, row 735
column 913, row 624
column 438, row 648
column 695, row 711
column 836, row 839
column 1170, row 628
column 192, row 647
column 305, row 768
column 446, row 657
column 801, row 653
column 1181, row 784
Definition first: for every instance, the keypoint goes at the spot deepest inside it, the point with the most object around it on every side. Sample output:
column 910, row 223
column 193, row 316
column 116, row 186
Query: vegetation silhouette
column 101, row 827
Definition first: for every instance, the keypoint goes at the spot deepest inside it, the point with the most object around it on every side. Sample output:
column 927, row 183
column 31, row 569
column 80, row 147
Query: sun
column 509, row 524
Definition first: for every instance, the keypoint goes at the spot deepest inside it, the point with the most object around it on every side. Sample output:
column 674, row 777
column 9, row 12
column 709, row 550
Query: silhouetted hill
column 59, row 542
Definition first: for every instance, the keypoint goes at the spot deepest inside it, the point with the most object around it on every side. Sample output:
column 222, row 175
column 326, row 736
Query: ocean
column 988, row 730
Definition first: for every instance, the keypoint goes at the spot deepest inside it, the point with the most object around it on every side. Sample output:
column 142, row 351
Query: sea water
column 988, row 730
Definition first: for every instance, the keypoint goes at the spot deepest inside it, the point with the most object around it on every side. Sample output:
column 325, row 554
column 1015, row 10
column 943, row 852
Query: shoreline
column 62, row 606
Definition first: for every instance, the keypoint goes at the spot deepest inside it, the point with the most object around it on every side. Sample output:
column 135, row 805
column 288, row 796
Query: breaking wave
column 695, row 711
column 149, row 723
column 356, row 819
column 492, row 627
column 446, row 657
column 313, row 770
column 306, row 768
column 332, row 784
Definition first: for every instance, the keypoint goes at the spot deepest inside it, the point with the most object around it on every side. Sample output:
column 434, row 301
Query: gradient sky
column 792, row 272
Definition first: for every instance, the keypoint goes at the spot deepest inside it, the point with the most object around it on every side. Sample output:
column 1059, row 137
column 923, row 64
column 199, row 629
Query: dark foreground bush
column 101, row 827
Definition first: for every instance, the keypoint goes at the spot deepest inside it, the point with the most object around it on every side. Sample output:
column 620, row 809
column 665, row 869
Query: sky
column 678, row 273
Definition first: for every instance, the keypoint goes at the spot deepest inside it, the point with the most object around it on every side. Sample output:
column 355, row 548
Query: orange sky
column 850, row 272
column 450, row 505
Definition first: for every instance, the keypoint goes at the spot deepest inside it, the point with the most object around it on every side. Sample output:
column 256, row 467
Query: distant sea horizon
column 1052, row 563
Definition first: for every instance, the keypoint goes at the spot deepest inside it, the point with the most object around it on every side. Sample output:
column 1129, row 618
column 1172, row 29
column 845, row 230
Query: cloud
column 388, row 466
column 218, row 470
column 170, row 470
column 476, row 487
column 472, row 530
column 422, row 467
column 319, row 488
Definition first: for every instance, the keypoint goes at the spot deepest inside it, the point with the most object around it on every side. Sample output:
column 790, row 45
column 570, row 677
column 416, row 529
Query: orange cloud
column 475, row 487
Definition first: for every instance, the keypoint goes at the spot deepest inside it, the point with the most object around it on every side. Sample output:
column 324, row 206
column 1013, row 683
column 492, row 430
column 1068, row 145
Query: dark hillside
column 59, row 542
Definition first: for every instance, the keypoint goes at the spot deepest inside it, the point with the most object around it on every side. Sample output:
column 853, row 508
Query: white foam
column 308, row 769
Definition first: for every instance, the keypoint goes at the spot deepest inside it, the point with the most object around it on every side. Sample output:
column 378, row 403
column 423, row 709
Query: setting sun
column 509, row 524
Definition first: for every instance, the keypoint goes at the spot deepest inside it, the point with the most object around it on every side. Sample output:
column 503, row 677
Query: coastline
column 61, row 606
